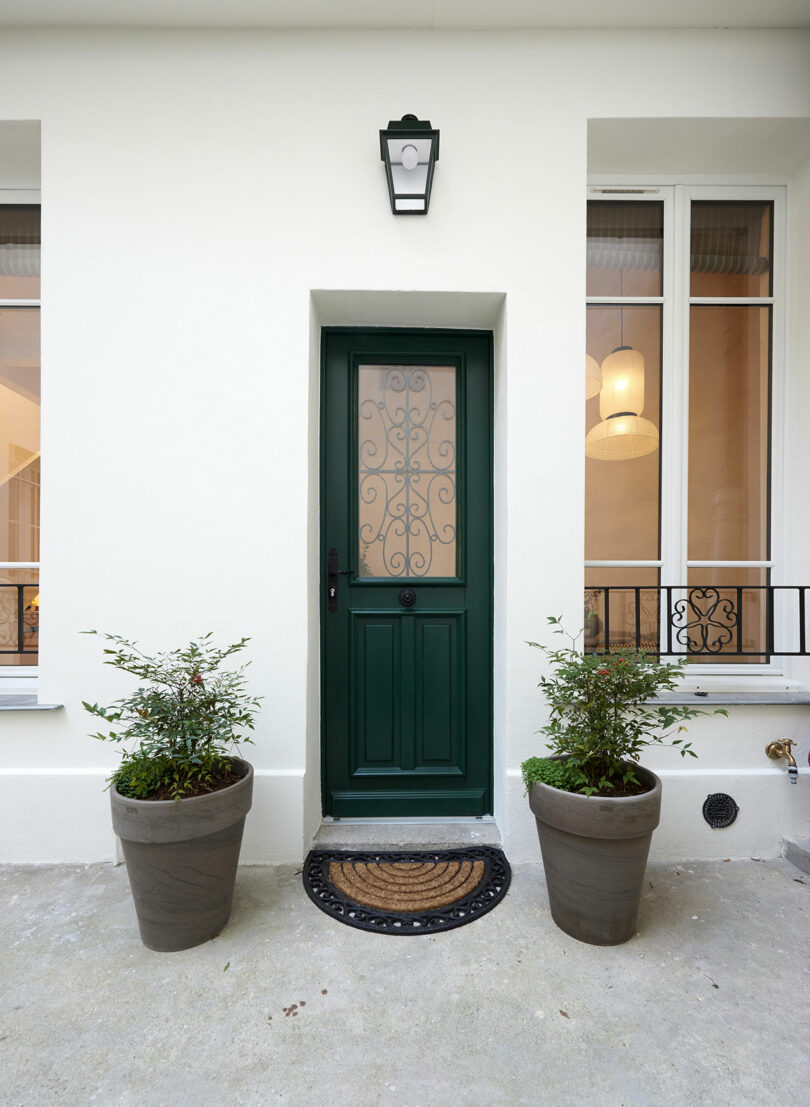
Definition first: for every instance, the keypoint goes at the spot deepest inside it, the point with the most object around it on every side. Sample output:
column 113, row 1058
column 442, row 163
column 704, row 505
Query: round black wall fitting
column 719, row 810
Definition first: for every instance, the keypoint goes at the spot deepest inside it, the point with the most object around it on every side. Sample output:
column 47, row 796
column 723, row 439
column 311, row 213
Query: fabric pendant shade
column 622, row 383
column 593, row 377
column 621, row 438
column 623, row 433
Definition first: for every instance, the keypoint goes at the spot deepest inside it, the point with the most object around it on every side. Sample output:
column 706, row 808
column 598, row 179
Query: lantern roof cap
column 409, row 125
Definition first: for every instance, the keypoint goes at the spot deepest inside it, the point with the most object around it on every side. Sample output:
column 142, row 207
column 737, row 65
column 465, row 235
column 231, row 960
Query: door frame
column 388, row 331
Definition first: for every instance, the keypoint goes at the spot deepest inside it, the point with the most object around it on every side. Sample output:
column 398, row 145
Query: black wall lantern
column 410, row 150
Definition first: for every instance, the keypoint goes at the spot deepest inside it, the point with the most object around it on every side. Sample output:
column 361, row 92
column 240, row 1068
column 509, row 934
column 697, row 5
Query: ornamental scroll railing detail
column 407, row 471
column 734, row 622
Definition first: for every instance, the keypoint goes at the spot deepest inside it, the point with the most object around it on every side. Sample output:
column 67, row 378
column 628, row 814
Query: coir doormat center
column 407, row 892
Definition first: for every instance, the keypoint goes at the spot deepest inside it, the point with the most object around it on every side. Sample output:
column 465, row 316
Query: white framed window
column 684, row 480
column 19, row 438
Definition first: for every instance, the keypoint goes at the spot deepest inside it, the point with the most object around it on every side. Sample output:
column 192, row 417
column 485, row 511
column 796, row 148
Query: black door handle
column 332, row 574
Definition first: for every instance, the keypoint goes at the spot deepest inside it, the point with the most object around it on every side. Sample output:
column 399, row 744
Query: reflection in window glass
column 625, row 248
column 730, row 248
column 19, row 616
column 621, row 608
column 19, row 252
column 724, row 612
column 728, row 433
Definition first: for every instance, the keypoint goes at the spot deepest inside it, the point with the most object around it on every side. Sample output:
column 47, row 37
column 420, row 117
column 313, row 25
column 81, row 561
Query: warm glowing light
column 621, row 438
column 622, row 383
column 593, row 377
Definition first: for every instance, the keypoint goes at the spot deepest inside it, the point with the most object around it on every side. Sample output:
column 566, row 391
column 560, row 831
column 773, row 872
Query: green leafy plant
column 184, row 720
column 557, row 774
column 601, row 716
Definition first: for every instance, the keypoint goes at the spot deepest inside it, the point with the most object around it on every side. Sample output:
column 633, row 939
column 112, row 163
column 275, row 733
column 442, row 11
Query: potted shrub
column 595, row 807
column 181, row 793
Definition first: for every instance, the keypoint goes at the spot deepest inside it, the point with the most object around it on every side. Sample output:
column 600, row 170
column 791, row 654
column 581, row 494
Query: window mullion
column 673, row 396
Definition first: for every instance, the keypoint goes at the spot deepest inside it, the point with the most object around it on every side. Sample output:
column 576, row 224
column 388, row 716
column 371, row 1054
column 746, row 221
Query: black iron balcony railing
column 19, row 619
column 734, row 622
column 723, row 623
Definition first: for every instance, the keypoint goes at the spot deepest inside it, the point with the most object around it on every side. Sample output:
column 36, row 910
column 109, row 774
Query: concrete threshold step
column 406, row 834
column 797, row 851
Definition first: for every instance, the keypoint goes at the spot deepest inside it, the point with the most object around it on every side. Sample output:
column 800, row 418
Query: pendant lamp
column 621, row 438
column 623, row 433
column 622, row 382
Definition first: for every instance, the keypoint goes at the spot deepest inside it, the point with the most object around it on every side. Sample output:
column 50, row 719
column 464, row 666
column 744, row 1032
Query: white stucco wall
column 207, row 198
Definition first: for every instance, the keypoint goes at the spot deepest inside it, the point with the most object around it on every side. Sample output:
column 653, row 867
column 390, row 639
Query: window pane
column 19, row 252
column 731, row 248
column 729, row 363
column 724, row 612
column 19, row 434
column 625, row 248
column 622, row 605
column 406, row 417
column 19, row 615
column 621, row 496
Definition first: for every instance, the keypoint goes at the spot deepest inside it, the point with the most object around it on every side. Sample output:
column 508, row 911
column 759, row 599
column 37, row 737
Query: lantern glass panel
column 410, row 185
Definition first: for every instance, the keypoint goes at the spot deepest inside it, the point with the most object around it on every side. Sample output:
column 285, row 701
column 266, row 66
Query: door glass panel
column 728, row 433
column 406, row 462
column 730, row 248
column 625, row 248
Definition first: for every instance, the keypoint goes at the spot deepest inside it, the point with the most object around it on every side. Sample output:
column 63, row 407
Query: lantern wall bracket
column 409, row 148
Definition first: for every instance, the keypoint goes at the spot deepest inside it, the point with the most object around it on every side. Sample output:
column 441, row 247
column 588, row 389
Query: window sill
column 776, row 696
column 21, row 702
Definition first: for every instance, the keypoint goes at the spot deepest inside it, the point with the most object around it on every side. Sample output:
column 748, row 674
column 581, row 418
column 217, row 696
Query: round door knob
column 407, row 597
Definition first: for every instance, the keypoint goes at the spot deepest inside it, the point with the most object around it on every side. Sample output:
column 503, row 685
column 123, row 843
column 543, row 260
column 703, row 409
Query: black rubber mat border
column 488, row 893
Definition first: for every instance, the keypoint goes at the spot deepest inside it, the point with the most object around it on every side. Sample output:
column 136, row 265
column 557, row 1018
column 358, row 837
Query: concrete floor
column 707, row 1005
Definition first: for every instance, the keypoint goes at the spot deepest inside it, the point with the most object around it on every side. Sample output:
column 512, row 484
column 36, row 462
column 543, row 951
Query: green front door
column 406, row 501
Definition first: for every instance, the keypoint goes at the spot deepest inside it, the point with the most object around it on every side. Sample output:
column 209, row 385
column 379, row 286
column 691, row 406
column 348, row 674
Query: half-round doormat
column 407, row 892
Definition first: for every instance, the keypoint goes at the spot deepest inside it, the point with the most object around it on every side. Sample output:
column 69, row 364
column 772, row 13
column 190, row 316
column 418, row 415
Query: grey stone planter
column 594, row 854
column 181, row 861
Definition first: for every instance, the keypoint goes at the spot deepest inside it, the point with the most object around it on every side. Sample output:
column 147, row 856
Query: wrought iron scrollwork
column 717, row 621
column 407, row 472
column 705, row 619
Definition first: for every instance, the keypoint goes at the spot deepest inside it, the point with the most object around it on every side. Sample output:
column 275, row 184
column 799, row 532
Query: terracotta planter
column 181, row 861
column 594, row 854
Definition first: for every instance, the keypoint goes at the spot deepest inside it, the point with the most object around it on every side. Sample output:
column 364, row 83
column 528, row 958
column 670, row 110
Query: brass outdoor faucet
column 781, row 748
